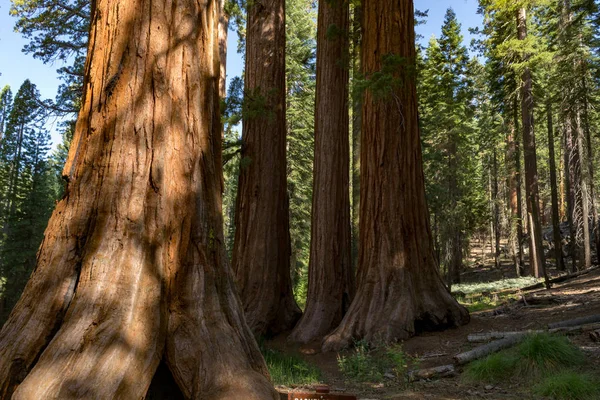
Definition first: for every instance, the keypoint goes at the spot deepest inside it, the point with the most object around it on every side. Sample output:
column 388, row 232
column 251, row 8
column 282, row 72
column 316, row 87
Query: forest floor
column 575, row 298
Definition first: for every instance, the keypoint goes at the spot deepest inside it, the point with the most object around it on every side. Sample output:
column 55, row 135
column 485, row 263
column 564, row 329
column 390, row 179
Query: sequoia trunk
column 261, row 253
column 400, row 291
column 132, row 269
column 330, row 274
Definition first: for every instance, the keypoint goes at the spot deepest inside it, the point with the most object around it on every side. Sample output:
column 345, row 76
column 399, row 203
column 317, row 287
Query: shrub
column 370, row 364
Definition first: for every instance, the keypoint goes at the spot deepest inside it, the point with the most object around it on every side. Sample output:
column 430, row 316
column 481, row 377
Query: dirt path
column 573, row 299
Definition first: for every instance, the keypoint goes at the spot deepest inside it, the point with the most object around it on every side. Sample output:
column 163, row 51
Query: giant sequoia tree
column 331, row 278
column 132, row 269
column 261, row 253
column 400, row 291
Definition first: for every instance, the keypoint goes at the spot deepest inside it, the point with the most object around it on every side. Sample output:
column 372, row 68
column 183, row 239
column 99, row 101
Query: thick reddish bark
column 132, row 269
column 536, row 249
column 261, row 253
column 400, row 291
column 330, row 274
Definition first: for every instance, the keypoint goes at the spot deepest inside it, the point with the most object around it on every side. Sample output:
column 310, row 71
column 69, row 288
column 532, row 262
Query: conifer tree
column 447, row 120
column 27, row 199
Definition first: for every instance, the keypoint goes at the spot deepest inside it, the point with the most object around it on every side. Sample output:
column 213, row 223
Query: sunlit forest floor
column 494, row 307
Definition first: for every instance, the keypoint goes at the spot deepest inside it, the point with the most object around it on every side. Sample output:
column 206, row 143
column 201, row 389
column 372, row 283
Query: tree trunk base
column 399, row 316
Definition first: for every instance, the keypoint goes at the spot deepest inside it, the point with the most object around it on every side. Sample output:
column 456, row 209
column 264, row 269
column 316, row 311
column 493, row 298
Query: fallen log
column 429, row 373
column 575, row 322
column 487, row 336
column 486, row 349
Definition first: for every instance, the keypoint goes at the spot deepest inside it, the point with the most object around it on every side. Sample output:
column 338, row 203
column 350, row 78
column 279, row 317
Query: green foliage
column 26, row 196
column 496, row 367
column 232, row 162
column 369, row 364
column 300, row 79
column 495, row 286
column 289, row 370
column 569, row 385
column 537, row 355
column 449, row 133
column 543, row 352
column 57, row 30
column 382, row 84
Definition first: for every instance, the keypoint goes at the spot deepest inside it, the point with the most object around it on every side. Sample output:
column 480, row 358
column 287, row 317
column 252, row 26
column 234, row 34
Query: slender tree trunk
column 571, row 161
column 590, row 170
column 514, row 156
column 585, row 198
column 496, row 204
column 330, row 273
column 536, row 249
column 261, row 253
column 132, row 268
column 453, row 245
column 558, row 253
column 400, row 291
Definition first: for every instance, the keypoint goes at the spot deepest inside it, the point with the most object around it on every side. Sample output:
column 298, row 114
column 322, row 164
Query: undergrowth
column 289, row 370
column 539, row 356
column 569, row 385
column 370, row 364
column 495, row 286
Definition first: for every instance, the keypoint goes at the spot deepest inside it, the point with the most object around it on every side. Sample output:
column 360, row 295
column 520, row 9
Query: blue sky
column 15, row 66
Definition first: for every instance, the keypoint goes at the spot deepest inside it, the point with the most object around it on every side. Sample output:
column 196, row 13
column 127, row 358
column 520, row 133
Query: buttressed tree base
column 132, row 270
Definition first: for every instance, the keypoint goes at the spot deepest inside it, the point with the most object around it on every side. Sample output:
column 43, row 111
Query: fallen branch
column 575, row 322
column 486, row 349
column 486, row 337
column 595, row 335
column 429, row 373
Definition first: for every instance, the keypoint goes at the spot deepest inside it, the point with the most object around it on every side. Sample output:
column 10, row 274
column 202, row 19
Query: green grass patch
column 543, row 352
column 494, row 368
column 495, row 286
column 370, row 364
column 569, row 385
column 538, row 355
column 289, row 370
column 482, row 304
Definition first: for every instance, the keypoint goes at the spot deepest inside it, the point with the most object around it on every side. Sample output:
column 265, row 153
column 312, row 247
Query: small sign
column 322, row 393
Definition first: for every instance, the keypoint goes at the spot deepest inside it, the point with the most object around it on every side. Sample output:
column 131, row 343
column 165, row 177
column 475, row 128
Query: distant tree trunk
column 261, row 253
column 571, row 178
column 585, row 196
column 330, row 272
column 496, row 209
column 590, row 170
column 132, row 269
column 514, row 160
column 400, row 291
column 536, row 249
column 452, row 245
column 558, row 253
